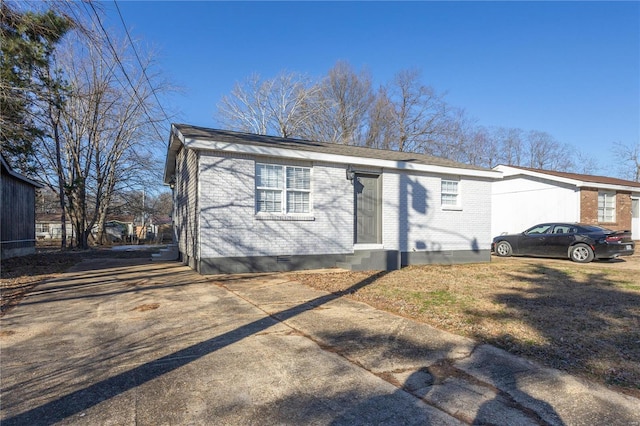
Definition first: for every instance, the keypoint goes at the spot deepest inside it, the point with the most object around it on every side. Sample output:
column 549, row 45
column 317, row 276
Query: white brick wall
column 229, row 226
column 413, row 218
column 186, row 202
column 222, row 216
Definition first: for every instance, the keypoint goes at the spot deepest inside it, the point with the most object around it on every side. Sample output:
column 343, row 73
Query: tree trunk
column 54, row 114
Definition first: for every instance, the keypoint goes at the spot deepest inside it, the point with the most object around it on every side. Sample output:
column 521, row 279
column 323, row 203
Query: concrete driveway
column 133, row 342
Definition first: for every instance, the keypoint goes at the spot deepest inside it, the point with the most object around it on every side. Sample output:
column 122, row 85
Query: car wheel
column 503, row 249
column 581, row 253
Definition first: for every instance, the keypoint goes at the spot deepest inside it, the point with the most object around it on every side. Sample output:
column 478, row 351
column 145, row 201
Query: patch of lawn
column 583, row 319
column 628, row 285
column 438, row 298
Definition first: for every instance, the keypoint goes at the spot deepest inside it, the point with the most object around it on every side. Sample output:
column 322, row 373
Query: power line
column 124, row 71
column 144, row 71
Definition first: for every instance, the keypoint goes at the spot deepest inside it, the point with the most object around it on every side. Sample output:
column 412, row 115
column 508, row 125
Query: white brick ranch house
column 245, row 203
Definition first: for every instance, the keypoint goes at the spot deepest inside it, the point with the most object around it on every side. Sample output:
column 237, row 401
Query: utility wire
column 144, row 71
column 124, row 71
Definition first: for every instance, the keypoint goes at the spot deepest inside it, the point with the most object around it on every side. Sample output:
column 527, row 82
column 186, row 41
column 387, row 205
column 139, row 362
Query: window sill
column 452, row 208
column 285, row 217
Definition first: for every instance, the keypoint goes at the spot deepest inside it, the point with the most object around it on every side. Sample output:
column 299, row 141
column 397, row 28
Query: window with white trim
column 606, row 206
column 449, row 193
column 283, row 189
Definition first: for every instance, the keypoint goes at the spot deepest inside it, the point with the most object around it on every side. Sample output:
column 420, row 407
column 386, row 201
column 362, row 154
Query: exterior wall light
column 351, row 174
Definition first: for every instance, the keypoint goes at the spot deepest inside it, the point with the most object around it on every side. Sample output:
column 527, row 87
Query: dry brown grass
column 583, row 319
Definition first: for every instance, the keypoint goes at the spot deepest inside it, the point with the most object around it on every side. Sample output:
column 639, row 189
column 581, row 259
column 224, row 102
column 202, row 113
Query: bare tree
column 291, row 95
column 101, row 134
column 381, row 132
column 341, row 103
column 419, row 112
column 246, row 108
column 630, row 159
column 278, row 106
column 545, row 152
column 482, row 148
column 404, row 115
column 454, row 140
column 586, row 164
column 511, row 143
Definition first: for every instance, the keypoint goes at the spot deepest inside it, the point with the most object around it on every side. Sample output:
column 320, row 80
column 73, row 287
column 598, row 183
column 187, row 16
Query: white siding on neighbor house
column 230, row 226
column 414, row 220
column 521, row 202
column 53, row 230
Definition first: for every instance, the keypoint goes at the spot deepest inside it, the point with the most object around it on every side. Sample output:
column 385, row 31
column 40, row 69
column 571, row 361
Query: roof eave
column 247, row 148
column 18, row 176
column 609, row 186
column 515, row 171
column 176, row 140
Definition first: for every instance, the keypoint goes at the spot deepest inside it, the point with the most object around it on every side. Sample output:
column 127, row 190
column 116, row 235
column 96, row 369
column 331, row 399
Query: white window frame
column 606, row 206
column 287, row 193
column 42, row 227
column 446, row 193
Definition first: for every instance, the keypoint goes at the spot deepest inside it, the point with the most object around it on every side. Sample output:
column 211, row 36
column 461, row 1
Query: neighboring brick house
column 245, row 202
column 525, row 197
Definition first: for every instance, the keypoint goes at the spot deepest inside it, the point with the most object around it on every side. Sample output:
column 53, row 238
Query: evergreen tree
column 27, row 42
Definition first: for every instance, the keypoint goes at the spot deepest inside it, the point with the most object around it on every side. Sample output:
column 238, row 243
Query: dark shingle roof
column 584, row 178
column 203, row 133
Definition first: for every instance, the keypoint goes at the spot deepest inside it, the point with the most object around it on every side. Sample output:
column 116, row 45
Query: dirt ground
column 18, row 275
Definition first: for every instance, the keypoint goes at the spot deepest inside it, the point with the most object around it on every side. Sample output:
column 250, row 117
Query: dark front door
column 367, row 209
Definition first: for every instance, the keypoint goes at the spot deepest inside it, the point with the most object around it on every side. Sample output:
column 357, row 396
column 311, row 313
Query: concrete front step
column 367, row 260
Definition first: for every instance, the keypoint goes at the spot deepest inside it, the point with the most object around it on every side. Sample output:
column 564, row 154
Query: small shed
column 17, row 212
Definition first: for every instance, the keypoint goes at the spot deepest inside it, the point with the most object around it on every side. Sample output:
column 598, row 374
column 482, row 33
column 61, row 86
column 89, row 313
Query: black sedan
column 579, row 242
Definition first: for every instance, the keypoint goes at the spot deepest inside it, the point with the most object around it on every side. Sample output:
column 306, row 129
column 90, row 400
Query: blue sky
column 571, row 69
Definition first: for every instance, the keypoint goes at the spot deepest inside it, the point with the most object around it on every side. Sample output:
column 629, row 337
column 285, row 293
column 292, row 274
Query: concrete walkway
column 133, row 342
